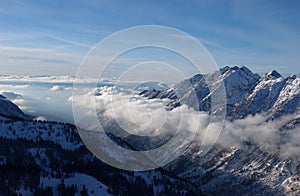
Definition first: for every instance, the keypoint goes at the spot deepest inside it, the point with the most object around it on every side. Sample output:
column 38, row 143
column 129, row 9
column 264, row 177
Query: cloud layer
column 149, row 117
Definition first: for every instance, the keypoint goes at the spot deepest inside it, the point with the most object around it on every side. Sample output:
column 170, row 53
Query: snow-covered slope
column 240, row 171
column 49, row 158
column 60, row 134
column 289, row 97
column 246, row 93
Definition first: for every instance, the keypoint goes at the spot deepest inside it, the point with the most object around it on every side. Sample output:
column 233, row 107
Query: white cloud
column 56, row 88
column 139, row 115
column 267, row 134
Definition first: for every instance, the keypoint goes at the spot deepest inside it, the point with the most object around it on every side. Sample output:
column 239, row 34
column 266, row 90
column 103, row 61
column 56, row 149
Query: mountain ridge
column 247, row 93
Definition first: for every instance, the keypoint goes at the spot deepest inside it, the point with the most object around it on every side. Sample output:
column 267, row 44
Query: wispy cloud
column 71, row 42
column 35, row 61
column 259, row 32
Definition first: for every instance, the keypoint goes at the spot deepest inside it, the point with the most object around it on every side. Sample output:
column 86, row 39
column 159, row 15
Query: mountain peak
column 227, row 68
column 274, row 74
column 243, row 70
column 237, row 73
column 292, row 77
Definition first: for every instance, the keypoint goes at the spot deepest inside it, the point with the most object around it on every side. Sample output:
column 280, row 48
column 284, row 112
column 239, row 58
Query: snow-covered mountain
column 55, row 160
column 249, row 169
column 247, row 93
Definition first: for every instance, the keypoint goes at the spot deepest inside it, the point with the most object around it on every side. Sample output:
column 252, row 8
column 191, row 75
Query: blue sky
column 52, row 37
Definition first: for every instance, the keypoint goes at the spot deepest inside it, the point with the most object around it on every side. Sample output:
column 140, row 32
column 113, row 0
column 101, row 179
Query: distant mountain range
column 247, row 93
column 39, row 157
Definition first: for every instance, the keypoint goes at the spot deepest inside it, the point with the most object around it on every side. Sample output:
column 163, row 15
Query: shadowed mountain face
column 50, row 158
column 8, row 109
column 246, row 93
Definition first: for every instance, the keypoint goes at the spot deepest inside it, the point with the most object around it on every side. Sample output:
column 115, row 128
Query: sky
column 52, row 37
